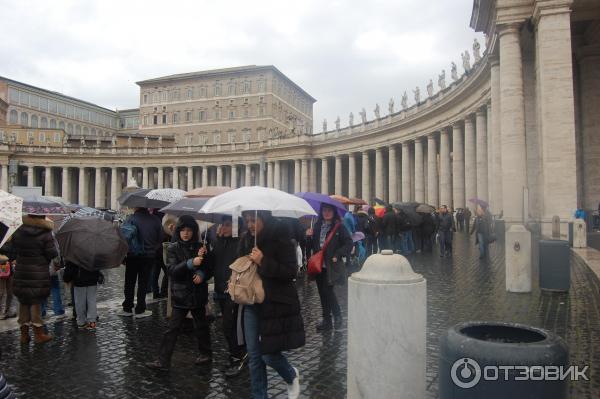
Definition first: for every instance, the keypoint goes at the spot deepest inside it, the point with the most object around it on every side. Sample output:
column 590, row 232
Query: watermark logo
column 466, row 373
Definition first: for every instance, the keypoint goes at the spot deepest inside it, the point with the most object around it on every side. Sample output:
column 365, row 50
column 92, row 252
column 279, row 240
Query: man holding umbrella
column 138, row 265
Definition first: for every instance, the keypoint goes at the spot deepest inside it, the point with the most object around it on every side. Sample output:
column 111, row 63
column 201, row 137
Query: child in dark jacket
column 85, row 285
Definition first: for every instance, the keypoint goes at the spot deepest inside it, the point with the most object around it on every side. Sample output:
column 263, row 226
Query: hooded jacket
column 180, row 254
column 280, row 323
column 34, row 246
column 225, row 250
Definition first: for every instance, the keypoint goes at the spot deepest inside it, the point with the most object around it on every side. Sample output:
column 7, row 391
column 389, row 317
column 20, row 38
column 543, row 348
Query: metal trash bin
column 487, row 360
column 555, row 265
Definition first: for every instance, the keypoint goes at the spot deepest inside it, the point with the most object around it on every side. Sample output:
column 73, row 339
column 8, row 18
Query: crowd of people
column 257, row 335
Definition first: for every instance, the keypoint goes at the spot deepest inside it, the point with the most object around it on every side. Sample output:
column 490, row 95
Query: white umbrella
column 169, row 195
column 11, row 215
column 279, row 203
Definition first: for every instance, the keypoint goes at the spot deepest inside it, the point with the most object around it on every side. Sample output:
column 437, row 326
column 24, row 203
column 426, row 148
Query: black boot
column 338, row 323
column 203, row 359
column 325, row 324
column 157, row 365
column 236, row 366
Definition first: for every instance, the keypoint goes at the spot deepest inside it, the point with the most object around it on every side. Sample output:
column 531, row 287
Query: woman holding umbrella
column 35, row 249
column 276, row 324
column 340, row 245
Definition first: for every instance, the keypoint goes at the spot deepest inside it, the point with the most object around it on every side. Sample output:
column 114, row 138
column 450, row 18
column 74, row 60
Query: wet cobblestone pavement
column 110, row 362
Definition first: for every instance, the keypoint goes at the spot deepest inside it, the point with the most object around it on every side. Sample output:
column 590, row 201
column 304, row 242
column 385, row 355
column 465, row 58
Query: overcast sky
column 346, row 54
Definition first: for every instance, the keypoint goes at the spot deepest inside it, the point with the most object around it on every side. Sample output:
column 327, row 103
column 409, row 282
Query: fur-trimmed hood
column 40, row 223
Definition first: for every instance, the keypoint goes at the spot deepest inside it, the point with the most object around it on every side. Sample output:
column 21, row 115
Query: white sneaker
column 293, row 389
column 145, row 313
column 124, row 313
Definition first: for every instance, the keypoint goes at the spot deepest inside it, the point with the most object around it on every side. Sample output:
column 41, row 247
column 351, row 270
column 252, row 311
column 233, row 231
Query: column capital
column 509, row 28
column 431, row 136
column 468, row 119
column 482, row 111
column 458, row 124
column 542, row 8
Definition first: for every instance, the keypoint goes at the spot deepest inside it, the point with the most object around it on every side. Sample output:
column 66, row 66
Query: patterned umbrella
column 40, row 205
column 169, row 195
column 11, row 215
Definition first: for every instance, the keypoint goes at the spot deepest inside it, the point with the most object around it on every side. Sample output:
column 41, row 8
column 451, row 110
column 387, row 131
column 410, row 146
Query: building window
column 175, row 117
column 261, row 111
column 217, row 114
column 163, row 96
column 190, row 94
column 231, row 90
column 24, row 119
column 14, row 117
column 145, row 99
column 261, row 86
column 34, row 121
column 42, row 137
column 164, row 119
column 155, row 120
column 78, row 130
column 69, row 111
column 246, row 113
column 57, row 137
column 145, row 120
column 61, row 125
column 203, row 92
column 13, row 95
column 62, row 109
column 52, row 106
column 188, row 116
column 231, row 114
column 202, row 115
column 44, row 104
column 24, row 98
column 217, row 90
column 247, row 87
column 34, row 100
column 155, row 97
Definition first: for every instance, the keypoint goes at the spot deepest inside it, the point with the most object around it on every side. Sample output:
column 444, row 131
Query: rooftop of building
column 223, row 72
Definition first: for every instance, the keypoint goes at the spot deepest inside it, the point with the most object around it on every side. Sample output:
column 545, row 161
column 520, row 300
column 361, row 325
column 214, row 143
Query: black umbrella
column 92, row 243
column 409, row 209
column 185, row 206
column 138, row 199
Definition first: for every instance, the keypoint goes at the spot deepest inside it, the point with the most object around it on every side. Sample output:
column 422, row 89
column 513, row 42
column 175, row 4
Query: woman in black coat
column 35, row 249
column 334, row 271
column 190, row 266
column 276, row 324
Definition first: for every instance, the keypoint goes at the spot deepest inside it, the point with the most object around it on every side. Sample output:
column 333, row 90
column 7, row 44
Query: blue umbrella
column 315, row 200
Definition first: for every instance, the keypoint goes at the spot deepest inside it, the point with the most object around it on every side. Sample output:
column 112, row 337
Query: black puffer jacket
column 225, row 250
column 281, row 326
column 389, row 223
column 339, row 246
column 184, row 293
column 35, row 249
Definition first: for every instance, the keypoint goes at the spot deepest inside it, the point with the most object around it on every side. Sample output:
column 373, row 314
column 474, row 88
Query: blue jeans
column 445, row 242
column 407, row 244
column 483, row 247
column 258, row 363
column 57, row 305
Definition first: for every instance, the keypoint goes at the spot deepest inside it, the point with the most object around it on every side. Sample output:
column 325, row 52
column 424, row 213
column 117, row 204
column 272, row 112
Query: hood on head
column 187, row 221
column 38, row 222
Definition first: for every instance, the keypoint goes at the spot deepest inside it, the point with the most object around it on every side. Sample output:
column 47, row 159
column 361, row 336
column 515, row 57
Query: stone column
column 352, row 190
column 324, row 176
column 48, row 181
column 496, row 201
column 277, row 175
column 175, row 177
column 145, row 177
column 98, row 197
column 589, row 75
column 190, row 178
column 204, row 176
column 405, row 172
column 379, row 174
column 82, row 197
column 233, row 176
column 297, row 175
column 113, row 187
column 248, row 175
column 219, row 176
column 392, row 174
column 304, row 175
column 458, row 167
column 365, row 191
column 470, row 163
column 419, row 172
column 556, row 109
column 432, row 172
column 129, row 175
column 482, row 155
column 161, row 177
column 30, row 176
column 313, row 176
column 339, row 176
column 66, row 184
column 4, row 178
column 513, row 144
column 445, row 177
column 270, row 174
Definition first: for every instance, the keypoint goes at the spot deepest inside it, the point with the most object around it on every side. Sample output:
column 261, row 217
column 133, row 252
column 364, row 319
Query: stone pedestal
column 387, row 361
column 518, row 259
column 579, row 234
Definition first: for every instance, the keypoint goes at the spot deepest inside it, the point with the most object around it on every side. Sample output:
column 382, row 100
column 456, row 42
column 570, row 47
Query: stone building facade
column 520, row 128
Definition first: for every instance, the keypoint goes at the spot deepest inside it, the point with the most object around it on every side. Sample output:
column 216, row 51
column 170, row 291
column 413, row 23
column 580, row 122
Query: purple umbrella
column 315, row 200
column 479, row 202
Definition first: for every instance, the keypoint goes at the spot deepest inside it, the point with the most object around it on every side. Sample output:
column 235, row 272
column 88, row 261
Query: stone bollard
column 387, row 313
column 579, row 234
column 518, row 259
column 556, row 227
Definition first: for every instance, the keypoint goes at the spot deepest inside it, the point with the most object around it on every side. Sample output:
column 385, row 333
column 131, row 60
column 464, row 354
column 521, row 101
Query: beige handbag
column 245, row 285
